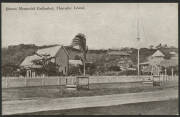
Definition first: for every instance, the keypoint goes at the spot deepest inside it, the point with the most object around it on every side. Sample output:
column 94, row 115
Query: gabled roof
column 28, row 61
column 51, row 51
column 158, row 54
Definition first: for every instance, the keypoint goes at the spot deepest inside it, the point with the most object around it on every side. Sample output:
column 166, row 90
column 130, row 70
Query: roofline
column 65, row 50
column 47, row 48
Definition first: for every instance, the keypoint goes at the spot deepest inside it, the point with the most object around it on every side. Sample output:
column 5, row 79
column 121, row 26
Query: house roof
column 158, row 53
column 167, row 51
column 28, row 61
column 120, row 53
column 145, row 63
column 169, row 63
column 147, row 69
column 173, row 53
column 51, row 51
column 164, row 63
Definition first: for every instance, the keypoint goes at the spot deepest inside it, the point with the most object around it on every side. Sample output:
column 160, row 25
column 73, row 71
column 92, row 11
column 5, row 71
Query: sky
column 106, row 25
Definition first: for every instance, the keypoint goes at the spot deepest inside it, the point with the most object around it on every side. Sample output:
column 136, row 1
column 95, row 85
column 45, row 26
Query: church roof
column 51, row 51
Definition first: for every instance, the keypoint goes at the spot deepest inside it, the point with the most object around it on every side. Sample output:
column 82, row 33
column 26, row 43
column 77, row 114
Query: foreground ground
column 47, row 104
column 167, row 107
column 49, row 98
column 95, row 89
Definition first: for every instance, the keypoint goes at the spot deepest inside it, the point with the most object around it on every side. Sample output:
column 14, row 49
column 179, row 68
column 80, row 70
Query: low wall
column 8, row 82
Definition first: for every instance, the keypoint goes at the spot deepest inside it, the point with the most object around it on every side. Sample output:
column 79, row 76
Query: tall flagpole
column 138, row 63
column 138, row 37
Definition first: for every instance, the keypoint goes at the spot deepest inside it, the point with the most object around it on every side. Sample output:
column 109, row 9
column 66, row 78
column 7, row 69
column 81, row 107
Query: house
column 174, row 55
column 28, row 61
column 173, row 61
column 156, row 57
column 30, row 66
column 60, row 55
column 119, row 58
column 153, row 60
column 160, row 59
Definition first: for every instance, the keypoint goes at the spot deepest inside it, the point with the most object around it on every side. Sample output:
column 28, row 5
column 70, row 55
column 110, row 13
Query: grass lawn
column 95, row 89
column 168, row 107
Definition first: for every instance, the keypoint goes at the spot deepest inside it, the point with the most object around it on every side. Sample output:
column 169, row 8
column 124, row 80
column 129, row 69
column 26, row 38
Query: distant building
column 60, row 55
column 156, row 58
column 173, row 61
column 30, row 66
column 159, row 58
column 174, row 55
column 119, row 58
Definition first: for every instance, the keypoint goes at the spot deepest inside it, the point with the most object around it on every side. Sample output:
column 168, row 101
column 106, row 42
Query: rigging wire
column 138, row 34
column 140, row 24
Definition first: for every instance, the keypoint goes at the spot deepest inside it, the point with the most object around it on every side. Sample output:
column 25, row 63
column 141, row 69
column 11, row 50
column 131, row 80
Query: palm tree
column 80, row 40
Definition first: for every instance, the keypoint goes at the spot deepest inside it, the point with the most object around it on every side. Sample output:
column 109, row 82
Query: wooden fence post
column 58, row 80
column 42, row 81
column 61, row 86
column 6, row 82
column 165, row 75
column 66, row 81
column 172, row 70
column 25, row 81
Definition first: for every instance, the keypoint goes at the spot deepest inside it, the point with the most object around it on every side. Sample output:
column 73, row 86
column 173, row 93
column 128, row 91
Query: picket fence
column 9, row 82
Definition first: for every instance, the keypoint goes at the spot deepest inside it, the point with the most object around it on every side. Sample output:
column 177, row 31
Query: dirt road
column 44, row 104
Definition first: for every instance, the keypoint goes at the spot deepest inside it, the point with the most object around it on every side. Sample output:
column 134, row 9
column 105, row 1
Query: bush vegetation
column 14, row 55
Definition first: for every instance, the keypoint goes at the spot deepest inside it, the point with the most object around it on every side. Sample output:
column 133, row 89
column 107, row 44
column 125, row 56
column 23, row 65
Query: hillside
column 14, row 55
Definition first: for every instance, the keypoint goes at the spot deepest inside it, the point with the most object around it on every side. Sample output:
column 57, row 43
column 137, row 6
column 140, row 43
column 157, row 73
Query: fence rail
column 9, row 82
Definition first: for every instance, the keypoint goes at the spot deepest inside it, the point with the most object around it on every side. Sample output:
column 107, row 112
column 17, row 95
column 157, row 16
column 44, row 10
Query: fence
column 8, row 82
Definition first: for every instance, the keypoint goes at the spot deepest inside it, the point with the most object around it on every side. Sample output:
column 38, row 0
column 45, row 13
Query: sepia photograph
column 89, row 59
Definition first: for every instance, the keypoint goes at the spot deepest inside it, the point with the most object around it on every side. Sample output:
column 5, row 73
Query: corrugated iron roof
column 28, row 61
column 51, row 51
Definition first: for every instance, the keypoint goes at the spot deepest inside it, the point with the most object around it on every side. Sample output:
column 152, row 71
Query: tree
column 165, row 46
column 77, row 57
column 151, row 47
column 114, row 68
column 159, row 46
column 48, row 67
column 80, row 40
